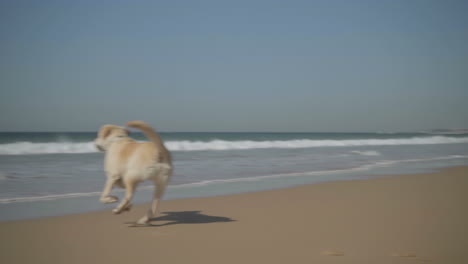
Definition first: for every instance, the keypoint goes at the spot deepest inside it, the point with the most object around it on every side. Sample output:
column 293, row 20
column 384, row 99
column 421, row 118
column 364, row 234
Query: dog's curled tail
column 149, row 132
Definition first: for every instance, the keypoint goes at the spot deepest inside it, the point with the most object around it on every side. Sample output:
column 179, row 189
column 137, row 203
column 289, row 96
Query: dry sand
column 401, row 219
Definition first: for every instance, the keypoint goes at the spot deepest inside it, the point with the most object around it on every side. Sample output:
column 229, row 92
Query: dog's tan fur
column 129, row 162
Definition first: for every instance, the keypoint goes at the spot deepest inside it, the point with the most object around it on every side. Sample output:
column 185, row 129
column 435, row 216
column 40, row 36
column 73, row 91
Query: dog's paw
column 143, row 221
column 120, row 210
column 109, row 199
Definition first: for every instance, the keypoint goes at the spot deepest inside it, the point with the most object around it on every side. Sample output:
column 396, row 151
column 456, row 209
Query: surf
column 31, row 148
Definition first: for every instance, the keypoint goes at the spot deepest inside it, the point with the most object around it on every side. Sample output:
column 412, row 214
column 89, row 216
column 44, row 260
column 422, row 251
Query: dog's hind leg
column 158, row 194
column 125, row 205
column 160, row 187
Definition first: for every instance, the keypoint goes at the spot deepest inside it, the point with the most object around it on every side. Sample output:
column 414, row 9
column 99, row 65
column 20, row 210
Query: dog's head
column 108, row 134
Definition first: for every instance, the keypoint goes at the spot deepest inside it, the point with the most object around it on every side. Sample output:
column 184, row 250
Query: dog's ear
column 105, row 131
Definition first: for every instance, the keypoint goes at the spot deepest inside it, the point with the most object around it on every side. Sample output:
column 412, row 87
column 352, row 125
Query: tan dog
column 129, row 162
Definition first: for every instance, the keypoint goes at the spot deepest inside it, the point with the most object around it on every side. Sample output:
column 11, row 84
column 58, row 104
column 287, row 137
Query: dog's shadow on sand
column 184, row 217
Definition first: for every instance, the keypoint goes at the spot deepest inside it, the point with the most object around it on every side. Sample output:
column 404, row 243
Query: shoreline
column 417, row 218
column 84, row 203
column 88, row 203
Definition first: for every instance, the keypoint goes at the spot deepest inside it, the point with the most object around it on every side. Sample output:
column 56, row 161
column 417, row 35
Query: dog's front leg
column 125, row 205
column 105, row 196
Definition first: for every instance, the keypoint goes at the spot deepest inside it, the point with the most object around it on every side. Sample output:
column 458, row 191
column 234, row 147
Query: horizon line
column 272, row 132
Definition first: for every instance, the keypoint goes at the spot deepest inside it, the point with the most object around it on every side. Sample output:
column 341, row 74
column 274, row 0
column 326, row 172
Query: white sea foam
column 47, row 197
column 23, row 148
column 366, row 153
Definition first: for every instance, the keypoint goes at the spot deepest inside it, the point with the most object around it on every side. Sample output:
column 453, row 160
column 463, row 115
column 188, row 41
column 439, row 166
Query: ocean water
column 47, row 174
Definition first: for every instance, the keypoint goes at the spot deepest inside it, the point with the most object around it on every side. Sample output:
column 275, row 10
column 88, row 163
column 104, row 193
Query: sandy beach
column 399, row 219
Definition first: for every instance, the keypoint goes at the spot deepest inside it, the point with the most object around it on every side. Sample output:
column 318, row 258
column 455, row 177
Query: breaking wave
column 25, row 148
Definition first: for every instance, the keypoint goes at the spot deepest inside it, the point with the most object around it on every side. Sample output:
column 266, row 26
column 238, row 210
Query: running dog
column 129, row 162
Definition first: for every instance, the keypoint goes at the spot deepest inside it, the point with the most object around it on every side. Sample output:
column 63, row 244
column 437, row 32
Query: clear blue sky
column 217, row 65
